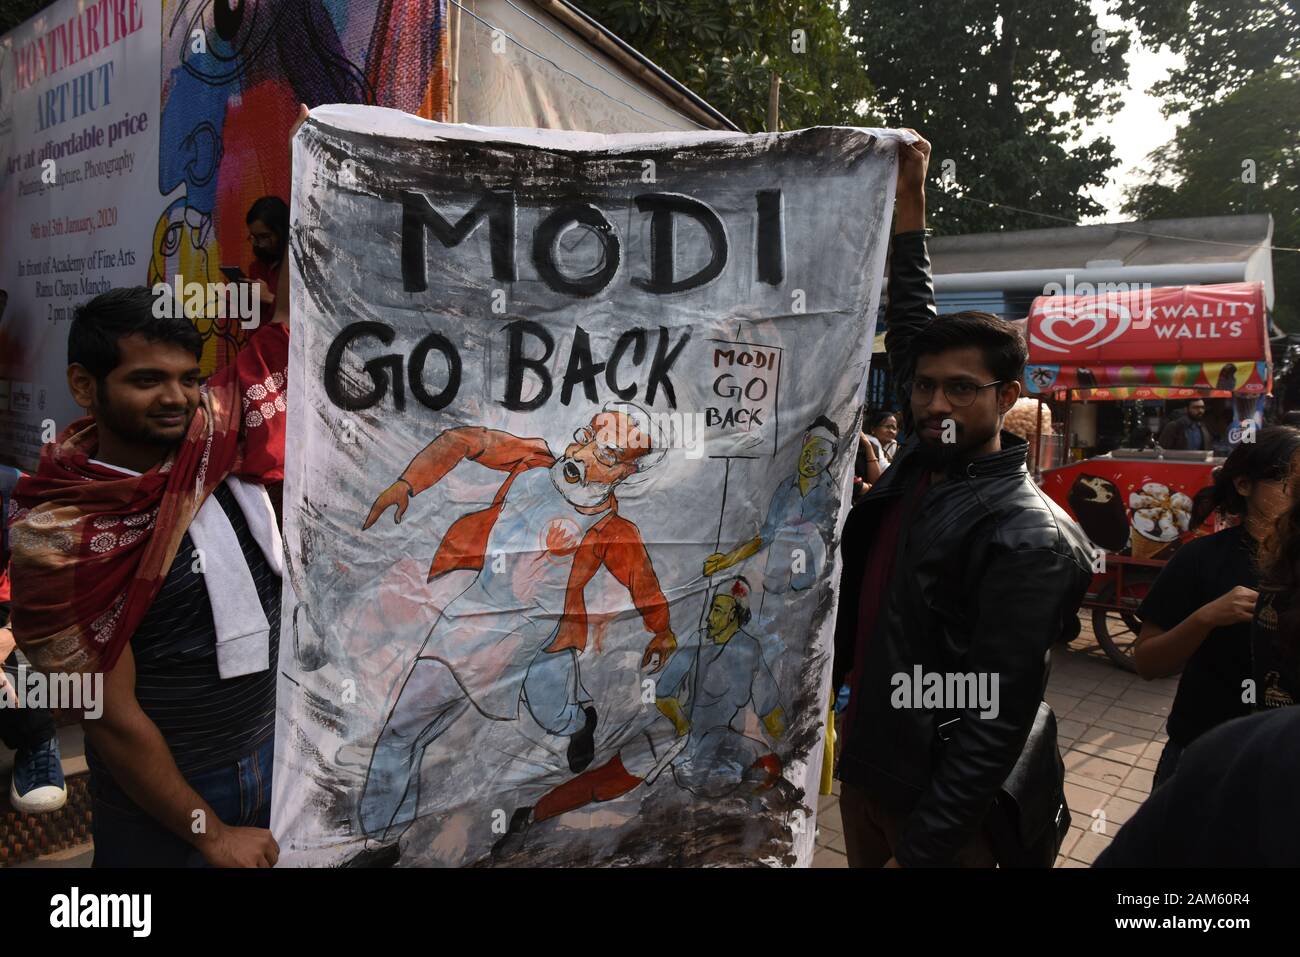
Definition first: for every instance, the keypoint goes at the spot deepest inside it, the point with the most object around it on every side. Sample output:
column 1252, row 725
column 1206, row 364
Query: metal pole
column 1038, row 441
column 1069, row 446
column 454, row 93
column 774, row 104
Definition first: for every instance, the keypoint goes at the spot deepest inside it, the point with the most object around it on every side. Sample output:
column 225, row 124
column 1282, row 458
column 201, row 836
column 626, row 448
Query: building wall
column 558, row 82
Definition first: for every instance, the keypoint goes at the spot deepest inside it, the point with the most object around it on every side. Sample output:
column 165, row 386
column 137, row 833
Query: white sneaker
column 37, row 785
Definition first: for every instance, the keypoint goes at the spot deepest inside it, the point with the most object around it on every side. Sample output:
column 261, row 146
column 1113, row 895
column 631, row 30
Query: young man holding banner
column 145, row 554
column 958, row 575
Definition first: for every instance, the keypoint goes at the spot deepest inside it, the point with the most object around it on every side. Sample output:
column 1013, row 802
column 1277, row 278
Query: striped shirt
column 205, row 720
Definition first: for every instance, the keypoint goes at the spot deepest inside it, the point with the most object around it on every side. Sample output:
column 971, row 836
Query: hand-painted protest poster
column 572, row 434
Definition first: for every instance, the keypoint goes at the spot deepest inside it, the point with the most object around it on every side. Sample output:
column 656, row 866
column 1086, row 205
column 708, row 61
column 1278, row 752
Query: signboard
column 1143, row 325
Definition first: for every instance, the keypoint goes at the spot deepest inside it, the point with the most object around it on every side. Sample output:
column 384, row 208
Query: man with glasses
column 955, row 564
column 510, row 641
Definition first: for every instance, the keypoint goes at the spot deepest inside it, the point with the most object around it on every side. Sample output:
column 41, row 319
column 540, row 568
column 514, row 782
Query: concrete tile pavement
column 1110, row 728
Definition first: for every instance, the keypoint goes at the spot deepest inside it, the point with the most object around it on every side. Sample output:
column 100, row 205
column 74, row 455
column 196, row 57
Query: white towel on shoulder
column 243, row 632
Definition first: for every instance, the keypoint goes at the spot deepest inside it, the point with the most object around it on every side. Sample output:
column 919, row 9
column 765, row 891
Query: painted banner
column 573, row 420
column 229, row 99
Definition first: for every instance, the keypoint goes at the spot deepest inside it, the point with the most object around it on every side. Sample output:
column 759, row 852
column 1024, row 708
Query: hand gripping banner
column 571, row 444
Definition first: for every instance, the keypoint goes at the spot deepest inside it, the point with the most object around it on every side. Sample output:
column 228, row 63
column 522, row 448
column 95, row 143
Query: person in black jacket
column 958, row 575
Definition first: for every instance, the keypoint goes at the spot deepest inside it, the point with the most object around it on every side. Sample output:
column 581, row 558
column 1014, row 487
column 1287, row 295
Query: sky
column 1138, row 128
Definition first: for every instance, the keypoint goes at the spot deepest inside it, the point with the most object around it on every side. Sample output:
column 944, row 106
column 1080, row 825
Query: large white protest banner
column 572, row 429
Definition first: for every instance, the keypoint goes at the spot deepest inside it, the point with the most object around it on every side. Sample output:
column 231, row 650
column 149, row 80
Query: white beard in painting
column 569, row 476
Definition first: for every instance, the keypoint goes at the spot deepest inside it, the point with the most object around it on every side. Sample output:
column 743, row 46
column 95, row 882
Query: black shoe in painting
column 582, row 744
column 513, row 839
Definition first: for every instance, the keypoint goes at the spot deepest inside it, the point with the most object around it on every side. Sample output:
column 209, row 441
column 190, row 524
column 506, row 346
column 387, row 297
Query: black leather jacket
column 986, row 576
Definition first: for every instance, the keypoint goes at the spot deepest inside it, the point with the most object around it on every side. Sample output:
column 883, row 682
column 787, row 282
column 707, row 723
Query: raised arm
column 624, row 555
column 911, row 290
column 488, row 447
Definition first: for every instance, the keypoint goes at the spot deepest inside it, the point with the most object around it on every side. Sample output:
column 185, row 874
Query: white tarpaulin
column 572, row 429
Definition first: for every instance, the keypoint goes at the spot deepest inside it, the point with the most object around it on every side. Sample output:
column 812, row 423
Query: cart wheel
column 1117, row 631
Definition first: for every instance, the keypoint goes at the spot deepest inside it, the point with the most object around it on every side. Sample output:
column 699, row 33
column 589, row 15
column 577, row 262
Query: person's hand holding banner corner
column 909, row 195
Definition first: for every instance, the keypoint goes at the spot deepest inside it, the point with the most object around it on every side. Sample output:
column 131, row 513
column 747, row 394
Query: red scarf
column 91, row 546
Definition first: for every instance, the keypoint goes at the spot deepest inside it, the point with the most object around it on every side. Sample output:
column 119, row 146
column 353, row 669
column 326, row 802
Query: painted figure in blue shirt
column 707, row 691
column 799, row 518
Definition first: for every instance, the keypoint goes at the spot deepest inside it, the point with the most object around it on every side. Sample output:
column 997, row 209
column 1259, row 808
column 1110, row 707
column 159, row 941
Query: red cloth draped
column 91, row 546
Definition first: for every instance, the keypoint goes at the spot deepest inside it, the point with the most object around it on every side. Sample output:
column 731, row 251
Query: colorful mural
column 233, row 74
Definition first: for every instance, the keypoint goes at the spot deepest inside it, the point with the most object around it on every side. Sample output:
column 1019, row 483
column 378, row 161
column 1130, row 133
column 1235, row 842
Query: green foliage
column 14, row 12
column 1004, row 90
column 727, row 50
column 1223, row 42
column 1241, row 86
column 1252, row 132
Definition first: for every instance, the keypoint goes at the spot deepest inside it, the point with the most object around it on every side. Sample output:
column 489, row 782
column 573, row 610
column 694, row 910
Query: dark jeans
column 23, row 727
column 126, row 836
column 872, row 832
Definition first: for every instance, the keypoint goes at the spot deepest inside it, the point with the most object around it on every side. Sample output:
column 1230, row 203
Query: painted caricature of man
column 514, row 635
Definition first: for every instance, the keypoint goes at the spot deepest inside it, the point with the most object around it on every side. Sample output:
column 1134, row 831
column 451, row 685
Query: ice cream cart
column 1136, row 343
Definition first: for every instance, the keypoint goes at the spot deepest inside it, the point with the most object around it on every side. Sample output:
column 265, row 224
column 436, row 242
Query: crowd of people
column 954, row 564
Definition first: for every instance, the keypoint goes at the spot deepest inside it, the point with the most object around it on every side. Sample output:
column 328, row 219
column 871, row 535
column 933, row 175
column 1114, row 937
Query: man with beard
column 513, row 636
column 145, row 549
column 1187, row 430
column 954, row 564
column 268, row 234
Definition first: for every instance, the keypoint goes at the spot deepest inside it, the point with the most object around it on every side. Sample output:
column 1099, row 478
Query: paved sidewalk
column 1111, row 730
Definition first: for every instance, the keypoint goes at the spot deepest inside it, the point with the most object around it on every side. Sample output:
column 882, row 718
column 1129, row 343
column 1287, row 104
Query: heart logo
column 1061, row 329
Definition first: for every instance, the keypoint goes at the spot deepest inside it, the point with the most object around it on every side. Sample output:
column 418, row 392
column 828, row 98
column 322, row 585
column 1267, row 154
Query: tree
column 14, row 12
column 1240, row 154
column 1239, row 151
column 1006, row 91
column 727, row 51
column 1224, row 43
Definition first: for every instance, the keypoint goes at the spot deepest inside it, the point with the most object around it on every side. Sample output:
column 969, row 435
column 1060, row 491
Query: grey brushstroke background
column 362, row 606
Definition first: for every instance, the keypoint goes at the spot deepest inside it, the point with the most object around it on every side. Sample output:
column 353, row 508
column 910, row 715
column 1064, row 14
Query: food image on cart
column 1129, row 512
column 1098, row 507
column 1160, row 517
